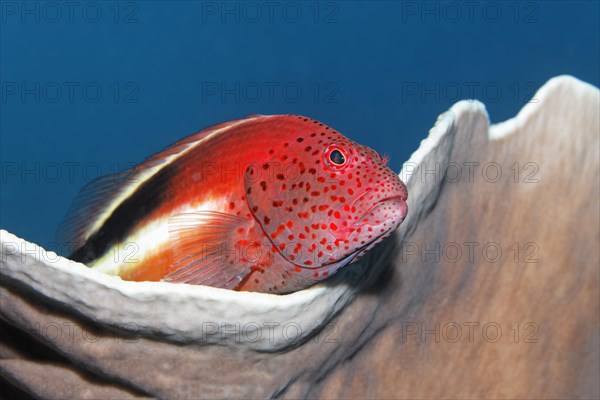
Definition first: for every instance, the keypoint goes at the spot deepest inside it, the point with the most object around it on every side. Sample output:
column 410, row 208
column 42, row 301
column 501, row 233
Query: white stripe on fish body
column 147, row 241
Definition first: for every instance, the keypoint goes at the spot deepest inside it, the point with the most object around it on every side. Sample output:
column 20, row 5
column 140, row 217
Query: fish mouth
column 396, row 203
column 390, row 210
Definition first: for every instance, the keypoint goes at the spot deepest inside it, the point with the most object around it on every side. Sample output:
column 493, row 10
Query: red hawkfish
column 265, row 203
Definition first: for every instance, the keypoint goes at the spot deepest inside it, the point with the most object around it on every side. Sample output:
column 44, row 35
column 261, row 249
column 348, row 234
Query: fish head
column 322, row 198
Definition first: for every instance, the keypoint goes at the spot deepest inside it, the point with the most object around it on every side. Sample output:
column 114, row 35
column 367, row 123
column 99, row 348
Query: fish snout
column 383, row 207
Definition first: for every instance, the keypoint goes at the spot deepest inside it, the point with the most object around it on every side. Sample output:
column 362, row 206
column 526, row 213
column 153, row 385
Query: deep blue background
column 158, row 63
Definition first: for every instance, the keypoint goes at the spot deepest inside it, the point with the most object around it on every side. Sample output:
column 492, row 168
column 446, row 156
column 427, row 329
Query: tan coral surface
column 489, row 289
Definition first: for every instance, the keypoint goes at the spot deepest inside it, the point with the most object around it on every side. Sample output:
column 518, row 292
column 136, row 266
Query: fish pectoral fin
column 334, row 267
column 203, row 245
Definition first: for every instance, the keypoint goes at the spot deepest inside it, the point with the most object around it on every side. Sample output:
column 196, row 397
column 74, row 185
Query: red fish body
column 266, row 203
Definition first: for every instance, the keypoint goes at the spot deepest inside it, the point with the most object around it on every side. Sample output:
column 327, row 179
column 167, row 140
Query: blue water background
column 379, row 72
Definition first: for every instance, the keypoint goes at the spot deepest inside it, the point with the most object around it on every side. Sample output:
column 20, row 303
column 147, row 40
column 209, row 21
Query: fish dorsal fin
column 98, row 199
column 204, row 245
column 178, row 148
column 91, row 202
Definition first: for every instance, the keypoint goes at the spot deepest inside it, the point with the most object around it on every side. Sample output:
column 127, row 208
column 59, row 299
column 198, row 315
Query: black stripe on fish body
column 126, row 217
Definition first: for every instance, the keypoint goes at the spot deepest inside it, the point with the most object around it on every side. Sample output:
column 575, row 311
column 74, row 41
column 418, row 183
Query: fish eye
column 335, row 157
